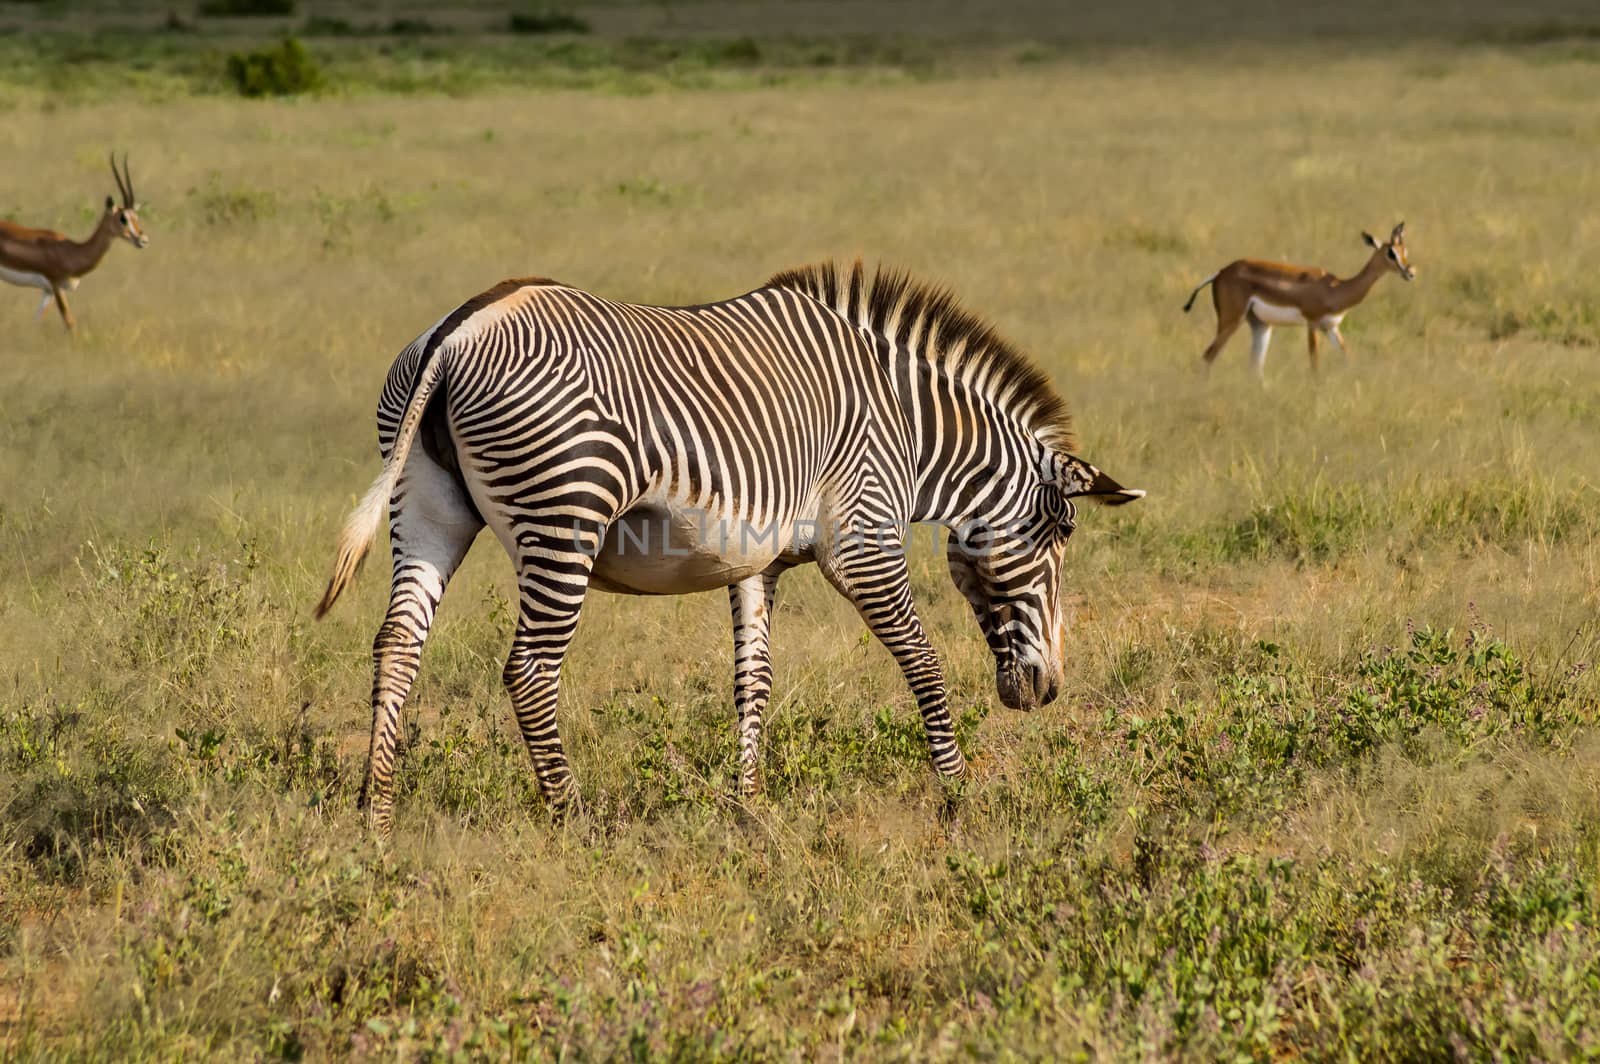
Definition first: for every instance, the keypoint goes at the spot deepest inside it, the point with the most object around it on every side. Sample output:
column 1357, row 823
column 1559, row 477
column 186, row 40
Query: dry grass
column 1139, row 870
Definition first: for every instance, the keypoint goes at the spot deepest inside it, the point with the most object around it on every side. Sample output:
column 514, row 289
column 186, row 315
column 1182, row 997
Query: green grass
column 1322, row 781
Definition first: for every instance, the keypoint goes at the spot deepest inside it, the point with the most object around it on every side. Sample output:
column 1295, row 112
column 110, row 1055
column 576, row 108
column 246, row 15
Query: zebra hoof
column 749, row 789
column 566, row 805
column 951, row 765
column 951, row 808
column 380, row 823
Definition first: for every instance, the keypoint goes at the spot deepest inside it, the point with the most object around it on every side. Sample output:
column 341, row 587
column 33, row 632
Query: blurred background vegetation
column 72, row 49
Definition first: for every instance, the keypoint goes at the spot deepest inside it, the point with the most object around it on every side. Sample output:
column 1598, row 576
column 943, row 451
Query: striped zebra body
column 653, row 450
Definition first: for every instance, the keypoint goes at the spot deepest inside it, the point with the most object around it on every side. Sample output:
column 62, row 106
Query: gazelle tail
column 1197, row 290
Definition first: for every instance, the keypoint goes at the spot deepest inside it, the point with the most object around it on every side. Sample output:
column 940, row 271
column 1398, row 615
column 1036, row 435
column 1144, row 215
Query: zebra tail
column 361, row 527
column 1197, row 290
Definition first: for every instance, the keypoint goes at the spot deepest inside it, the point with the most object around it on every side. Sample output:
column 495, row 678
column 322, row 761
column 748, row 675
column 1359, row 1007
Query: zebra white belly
column 24, row 278
column 1275, row 314
column 664, row 548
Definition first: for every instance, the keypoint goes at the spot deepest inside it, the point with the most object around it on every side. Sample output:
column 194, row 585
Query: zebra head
column 1010, row 574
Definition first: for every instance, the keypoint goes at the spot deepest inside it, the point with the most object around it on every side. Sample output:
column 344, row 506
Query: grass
column 1322, row 780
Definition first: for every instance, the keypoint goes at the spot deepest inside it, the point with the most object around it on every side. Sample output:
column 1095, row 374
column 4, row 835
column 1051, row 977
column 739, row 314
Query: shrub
column 415, row 27
column 330, row 26
column 227, row 204
column 546, row 21
column 246, row 7
column 281, row 70
column 333, row 26
column 739, row 50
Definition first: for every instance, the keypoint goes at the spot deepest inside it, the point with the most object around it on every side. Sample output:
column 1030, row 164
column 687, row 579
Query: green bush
column 331, row 26
column 546, row 21
column 284, row 69
column 246, row 7
column 415, row 27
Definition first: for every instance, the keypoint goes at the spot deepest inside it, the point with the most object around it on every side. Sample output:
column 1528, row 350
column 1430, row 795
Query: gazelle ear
column 1079, row 478
column 1371, row 241
column 1399, row 231
column 110, row 203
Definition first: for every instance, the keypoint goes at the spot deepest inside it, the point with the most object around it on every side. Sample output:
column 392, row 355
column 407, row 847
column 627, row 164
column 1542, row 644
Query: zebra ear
column 1079, row 478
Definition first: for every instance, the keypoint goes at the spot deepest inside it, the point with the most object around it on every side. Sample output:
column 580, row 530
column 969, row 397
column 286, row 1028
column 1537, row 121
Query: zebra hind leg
column 553, row 583
column 877, row 584
column 433, row 526
column 751, row 599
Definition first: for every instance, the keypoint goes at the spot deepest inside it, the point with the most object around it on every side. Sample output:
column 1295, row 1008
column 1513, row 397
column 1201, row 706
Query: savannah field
column 1324, row 781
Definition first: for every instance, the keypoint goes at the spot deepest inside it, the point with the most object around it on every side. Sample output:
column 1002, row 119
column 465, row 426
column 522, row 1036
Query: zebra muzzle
column 1027, row 685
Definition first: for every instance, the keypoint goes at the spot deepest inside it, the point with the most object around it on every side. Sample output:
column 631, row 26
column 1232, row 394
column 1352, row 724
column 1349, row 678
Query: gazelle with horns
column 1273, row 293
column 40, row 258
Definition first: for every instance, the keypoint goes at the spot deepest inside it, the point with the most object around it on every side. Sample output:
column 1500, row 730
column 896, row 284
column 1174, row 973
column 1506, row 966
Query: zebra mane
column 892, row 298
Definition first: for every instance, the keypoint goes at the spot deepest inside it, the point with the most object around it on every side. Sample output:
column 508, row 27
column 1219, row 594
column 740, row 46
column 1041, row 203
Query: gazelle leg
column 1260, row 337
column 45, row 299
column 1338, row 338
column 1311, row 345
column 61, row 305
column 751, row 599
column 1231, row 310
column 432, row 526
column 876, row 582
column 1226, row 327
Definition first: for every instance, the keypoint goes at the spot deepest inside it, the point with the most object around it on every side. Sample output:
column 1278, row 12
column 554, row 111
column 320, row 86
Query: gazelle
column 40, row 258
column 1273, row 293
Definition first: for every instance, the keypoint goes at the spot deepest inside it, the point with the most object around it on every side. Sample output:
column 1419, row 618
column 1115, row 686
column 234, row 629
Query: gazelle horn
column 127, row 181
column 121, row 188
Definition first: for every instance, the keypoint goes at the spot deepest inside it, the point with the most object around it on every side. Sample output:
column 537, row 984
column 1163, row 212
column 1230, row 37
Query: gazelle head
column 1011, row 577
column 125, row 215
column 1393, row 251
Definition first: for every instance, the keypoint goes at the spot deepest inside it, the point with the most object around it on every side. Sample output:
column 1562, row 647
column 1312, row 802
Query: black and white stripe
column 826, row 412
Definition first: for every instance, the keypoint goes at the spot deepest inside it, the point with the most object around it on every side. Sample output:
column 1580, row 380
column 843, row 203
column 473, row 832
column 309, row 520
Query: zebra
column 666, row 450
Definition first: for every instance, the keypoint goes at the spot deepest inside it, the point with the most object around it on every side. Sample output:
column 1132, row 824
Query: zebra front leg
column 752, row 668
column 553, row 583
column 878, row 585
column 432, row 526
